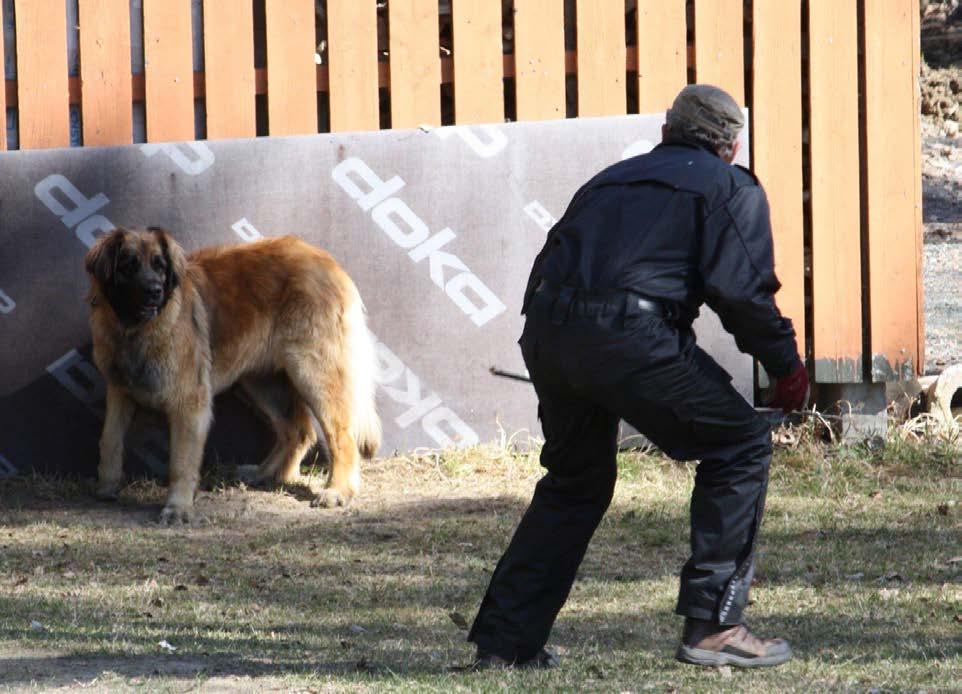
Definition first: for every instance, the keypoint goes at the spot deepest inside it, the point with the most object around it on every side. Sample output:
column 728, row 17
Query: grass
column 860, row 568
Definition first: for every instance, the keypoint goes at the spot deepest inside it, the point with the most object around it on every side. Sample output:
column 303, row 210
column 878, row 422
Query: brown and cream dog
column 171, row 331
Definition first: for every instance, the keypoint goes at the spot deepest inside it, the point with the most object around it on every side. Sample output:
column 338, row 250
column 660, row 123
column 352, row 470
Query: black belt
column 590, row 301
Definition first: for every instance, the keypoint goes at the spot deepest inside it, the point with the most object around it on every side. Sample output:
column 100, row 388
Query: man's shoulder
column 688, row 168
column 744, row 176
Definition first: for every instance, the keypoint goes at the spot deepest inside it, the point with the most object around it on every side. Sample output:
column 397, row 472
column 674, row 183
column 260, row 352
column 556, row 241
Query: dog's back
column 276, row 297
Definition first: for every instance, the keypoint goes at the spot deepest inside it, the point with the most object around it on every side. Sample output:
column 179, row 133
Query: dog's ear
column 173, row 256
column 101, row 259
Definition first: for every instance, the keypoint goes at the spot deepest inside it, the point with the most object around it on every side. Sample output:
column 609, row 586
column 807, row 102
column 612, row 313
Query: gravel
column 942, row 264
column 942, row 233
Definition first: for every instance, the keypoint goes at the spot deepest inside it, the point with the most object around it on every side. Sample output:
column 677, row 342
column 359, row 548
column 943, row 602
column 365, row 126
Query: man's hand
column 791, row 391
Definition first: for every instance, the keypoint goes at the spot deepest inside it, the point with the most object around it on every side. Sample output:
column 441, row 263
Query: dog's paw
column 330, row 498
column 174, row 516
column 108, row 491
column 249, row 475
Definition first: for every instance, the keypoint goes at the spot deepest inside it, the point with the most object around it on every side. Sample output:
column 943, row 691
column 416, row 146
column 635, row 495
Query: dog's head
column 136, row 271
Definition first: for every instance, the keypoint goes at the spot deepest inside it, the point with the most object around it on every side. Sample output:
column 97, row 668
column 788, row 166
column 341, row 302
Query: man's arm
column 738, row 269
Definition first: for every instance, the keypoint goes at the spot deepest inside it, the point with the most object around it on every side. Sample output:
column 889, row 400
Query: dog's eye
column 157, row 262
column 128, row 264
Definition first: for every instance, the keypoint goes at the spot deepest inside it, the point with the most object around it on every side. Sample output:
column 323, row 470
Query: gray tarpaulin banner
column 438, row 228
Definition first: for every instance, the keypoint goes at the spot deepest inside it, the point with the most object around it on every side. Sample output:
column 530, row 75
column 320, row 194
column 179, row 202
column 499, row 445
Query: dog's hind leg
column 300, row 438
column 325, row 392
column 110, row 471
column 290, row 420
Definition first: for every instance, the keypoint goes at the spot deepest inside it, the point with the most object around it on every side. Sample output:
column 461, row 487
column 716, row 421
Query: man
column 609, row 308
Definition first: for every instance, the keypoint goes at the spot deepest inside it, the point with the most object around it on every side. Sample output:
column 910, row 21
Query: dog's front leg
column 188, row 432
column 110, row 471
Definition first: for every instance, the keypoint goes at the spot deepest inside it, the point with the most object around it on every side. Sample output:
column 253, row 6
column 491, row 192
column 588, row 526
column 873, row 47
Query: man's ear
column 736, row 147
column 101, row 259
column 173, row 256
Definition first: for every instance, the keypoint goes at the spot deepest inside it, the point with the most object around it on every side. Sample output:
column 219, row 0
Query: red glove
column 791, row 391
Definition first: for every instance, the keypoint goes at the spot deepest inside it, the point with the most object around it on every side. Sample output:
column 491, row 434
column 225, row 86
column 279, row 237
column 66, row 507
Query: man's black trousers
column 594, row 361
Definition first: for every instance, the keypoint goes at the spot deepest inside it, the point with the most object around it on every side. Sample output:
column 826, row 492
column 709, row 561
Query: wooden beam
column 229, row 68
column 662, row 53
column 291, row 70
column 539, row 45
column 893, row 168
column 106, row 93
column 602, row 58
column 478, row 73
column 836, row 211
column 776, row 133
column 719, row 56
column 352, row 50
column 168, row 71
column 415, row 64
column 42, row 99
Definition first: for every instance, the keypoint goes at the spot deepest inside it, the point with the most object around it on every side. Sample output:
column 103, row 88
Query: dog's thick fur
column 170, row 332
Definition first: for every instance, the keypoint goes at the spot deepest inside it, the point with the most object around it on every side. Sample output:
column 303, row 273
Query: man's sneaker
column 489, row 661
column 709, row 644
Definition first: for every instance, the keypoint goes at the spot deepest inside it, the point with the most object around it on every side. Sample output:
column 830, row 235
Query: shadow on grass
column 289, row 592
column 623, row 639
column 463, row 537
column 65, row 671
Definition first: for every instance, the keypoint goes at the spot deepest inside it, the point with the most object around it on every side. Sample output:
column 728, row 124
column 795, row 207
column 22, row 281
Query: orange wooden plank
column 168, row 70
column 539, row 50
column 106, row 90
column 352, row 74
column 42, row 99
column 601, row 57
column 835, row 204
column 291, row 74
column 719, row 54
column 478, row 65
column 662, row 53
column 893, row 161
column 415, row 63
column 229, row 68
column 777, row 144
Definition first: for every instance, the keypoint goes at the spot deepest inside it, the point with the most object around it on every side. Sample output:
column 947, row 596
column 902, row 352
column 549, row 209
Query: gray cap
column 706, row 113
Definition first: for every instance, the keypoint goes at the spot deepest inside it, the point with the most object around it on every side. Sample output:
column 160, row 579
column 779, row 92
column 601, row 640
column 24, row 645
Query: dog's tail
column 361, row 367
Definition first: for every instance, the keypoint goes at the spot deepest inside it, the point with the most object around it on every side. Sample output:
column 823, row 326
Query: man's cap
column 706, row 112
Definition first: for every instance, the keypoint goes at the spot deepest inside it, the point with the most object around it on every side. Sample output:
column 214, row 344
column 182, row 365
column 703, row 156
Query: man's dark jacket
column 680, row 226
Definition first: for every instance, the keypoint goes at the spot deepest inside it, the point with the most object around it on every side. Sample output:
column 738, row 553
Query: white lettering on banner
column 7, row 469
column 540, row 215
column 495, row 142
column 426, row 408
column 193, row 158
column 637, row 147
column 245, row 230
column 79, row 376
column 55, row 190
column 84, row 382
column 406, row 229
column 6, row 303
column 418, row 230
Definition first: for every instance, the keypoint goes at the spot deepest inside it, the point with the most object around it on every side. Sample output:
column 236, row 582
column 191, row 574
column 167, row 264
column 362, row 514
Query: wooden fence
column 831, row 86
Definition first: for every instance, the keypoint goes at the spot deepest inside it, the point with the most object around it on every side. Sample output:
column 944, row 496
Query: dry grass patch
column 861, row 568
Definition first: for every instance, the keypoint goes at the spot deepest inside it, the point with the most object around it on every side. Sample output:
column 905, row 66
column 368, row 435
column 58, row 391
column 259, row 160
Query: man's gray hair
column 706, row 115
